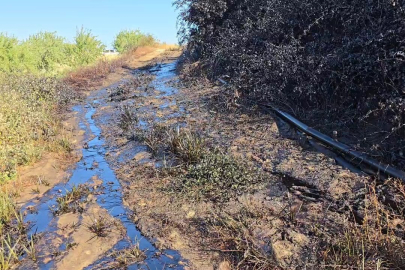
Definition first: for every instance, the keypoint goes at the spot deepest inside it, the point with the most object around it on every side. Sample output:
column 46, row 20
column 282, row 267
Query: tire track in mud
column 108, row 196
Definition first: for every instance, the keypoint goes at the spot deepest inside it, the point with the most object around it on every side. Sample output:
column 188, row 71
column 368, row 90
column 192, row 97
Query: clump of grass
column 188, row 146
column 65, row 144
column 71, row 201
column 217, row 176
column 71, row 245
column 379, row 241
column 230, row 235
column 30, row 248
column 43, row 181
column 129, row 256
column 128, row 119
column 153, row 137
column 7, row 210
column 36, row 190
column 99, row 226
column 9, row 255
column 14, row 242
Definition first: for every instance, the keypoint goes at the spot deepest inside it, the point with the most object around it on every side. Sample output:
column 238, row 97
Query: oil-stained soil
column 177, row 174
column 293, row 217
column 76, row 216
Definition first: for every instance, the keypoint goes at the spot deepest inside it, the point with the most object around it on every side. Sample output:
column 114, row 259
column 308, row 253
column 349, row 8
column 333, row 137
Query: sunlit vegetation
column 14, row 241
column 38, row 77
column 46, row 53
column 33, row 92
column 28, row 121
column 130, row 39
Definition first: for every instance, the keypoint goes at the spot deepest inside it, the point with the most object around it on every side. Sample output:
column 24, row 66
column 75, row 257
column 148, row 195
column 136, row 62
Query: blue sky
column 105, row 18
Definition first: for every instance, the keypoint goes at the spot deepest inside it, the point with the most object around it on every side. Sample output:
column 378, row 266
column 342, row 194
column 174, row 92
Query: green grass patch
column 46, row 53
column 216, row 176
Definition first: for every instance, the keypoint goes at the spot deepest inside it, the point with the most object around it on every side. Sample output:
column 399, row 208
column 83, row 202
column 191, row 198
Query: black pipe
column 381, row 167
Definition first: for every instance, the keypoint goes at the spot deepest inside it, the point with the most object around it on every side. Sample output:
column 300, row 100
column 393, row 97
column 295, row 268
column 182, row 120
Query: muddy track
column 88, row 230
column 304, row 187
column 304, row 200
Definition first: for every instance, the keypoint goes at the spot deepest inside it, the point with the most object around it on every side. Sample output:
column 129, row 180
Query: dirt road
column 288, row 216
column 78, row 218
column 176, row 175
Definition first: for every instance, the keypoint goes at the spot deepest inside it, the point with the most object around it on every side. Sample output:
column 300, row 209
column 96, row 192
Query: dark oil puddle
column 43, row 220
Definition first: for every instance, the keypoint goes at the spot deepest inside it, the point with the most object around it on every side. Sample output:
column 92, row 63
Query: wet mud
column 304, row 185
column 66, row 242
column 307, row 199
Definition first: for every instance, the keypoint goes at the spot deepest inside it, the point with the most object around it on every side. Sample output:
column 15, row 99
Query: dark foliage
column 343, row 59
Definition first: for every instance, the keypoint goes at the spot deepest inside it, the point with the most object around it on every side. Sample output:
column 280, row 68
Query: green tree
column 127, row 40
column 44, row 52
column 87, row 47
column 10, row 58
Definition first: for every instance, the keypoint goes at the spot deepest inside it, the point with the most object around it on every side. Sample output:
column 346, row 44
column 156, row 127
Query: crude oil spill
column 43, row 220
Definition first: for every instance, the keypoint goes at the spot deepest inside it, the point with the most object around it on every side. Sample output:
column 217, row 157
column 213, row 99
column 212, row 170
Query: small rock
column 142, row 203
column 190, row 214
column 47, row 260
column 224, row 266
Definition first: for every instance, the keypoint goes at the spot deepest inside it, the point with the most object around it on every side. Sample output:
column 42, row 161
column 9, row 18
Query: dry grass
column 99, row 226
column 87, row 78
column 14, row 242
column 377, row 243
column 92, row 76
column 72, row 201
column 230, row 235
column 128, row 256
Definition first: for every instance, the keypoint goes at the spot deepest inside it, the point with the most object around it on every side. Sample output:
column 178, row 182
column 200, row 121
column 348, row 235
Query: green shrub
column 9, row 54
column 217, row 176
column 87, row 48
column 130, row 39
column 28, row 122
column 43, row 52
